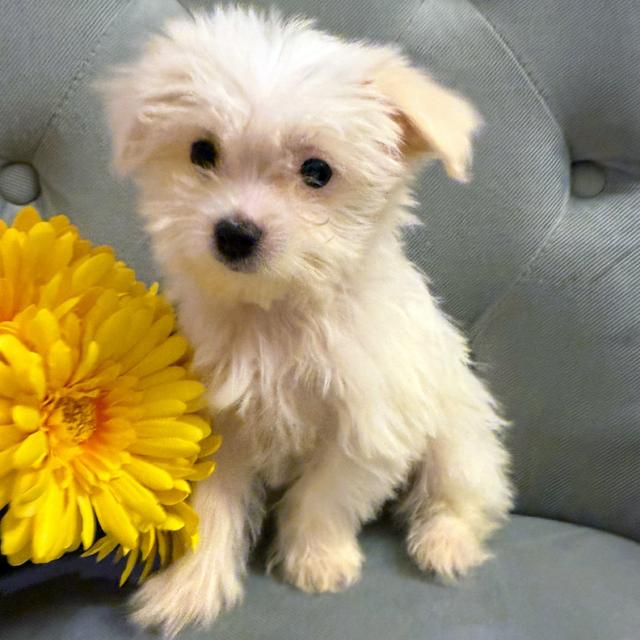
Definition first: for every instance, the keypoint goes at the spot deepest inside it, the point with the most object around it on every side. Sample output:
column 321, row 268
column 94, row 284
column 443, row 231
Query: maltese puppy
column 274, row 164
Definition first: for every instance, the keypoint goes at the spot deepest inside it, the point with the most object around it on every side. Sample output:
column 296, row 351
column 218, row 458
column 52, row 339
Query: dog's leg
column 199, row 586
column 461, row 490
column 321, row 514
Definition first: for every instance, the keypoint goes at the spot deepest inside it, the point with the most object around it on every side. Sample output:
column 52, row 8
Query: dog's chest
column 278, row 376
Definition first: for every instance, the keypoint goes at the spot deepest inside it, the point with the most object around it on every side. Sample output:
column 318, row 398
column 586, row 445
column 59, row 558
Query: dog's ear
column 434, row 121
column 141, row 103
column 122, row 102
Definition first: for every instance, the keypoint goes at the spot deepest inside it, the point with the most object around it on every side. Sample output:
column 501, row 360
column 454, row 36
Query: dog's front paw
column 319, row 568
column 184, row 595
column 446, row 545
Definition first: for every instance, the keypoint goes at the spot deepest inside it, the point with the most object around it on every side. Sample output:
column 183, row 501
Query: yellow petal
column 139, row 323
column 131, row 563
column 148, row 568
column 91, row 271
column 6, row 407
column 102, row 548
column 149, row 474
column 114, row 519
column 164, row 447
column 88, row 520
column 173, row 496
column 15, row 353
column 49, row 292
column 26, row 364
column 6, row 461
column 62, row 251
column 158, row 332
column 7, row 298
column 202, row 470
column 167, row 428
column 31, row 451
column 83, row 472
column 104, row 378
column 204, row 426
column 71, row 523
column 161, row 408
column 187, row 514
column 26, row 418
column 123, row 278
column 170, row 374
column 167, row 353
column 16, row 533
column 29, row 490
column 172, row 523
column 88, row 362
column 184, row 390
column 66, row 527
column 138, row 498
column 147, row 542
column 26, row 218
column 60, row 364
column 197, row 405
column 38, row 248
column 210, row 445
column 36, row 380
column 46, row 529
column 118, row 555
column 44, row 330
column 71, row 330
column 6, row 489
column 61, row 223
column 10, row 254
column 65, row 307
column 9, row 383
column 162, row 548
column 22, row 556
column 111, row 332
column 10, row 435
column 177, row 467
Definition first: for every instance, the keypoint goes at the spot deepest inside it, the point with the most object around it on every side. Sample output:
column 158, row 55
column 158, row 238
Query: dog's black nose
column 236, row 239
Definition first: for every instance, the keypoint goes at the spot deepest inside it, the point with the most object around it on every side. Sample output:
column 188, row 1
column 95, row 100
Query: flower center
column 75, row 417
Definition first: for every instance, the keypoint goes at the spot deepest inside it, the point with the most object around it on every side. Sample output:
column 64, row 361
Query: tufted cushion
column 541, row 274
column 537, row 257
column 549, row 581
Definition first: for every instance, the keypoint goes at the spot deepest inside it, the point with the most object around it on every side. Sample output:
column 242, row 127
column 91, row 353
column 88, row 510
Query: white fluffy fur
column 330, row 369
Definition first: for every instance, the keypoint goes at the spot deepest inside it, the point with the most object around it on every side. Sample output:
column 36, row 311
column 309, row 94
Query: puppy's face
column 271, row 156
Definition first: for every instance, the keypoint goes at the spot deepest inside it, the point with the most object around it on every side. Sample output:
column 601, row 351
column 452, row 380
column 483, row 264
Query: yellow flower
column 98, row 415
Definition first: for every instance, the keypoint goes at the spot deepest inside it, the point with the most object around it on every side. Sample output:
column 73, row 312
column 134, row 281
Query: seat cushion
column 548, row 580
column 538, row 258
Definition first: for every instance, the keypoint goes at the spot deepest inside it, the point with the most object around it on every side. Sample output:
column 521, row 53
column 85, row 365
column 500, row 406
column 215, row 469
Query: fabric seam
column 528, row 76
column 410, row 22
column 478, row 326
column 83, row 69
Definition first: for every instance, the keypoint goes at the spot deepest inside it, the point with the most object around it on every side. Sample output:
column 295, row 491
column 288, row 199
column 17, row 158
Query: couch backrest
column 537, row 258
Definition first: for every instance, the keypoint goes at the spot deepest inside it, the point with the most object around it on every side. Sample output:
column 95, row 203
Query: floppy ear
column 434, row 120
column 123, row 108
column 142, row 100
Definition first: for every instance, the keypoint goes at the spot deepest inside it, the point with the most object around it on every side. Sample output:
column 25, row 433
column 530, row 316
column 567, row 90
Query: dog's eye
column 315, row 172
column 204, row 154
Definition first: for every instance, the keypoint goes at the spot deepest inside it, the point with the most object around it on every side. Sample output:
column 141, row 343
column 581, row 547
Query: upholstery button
column 19, row 183
column 587, row 179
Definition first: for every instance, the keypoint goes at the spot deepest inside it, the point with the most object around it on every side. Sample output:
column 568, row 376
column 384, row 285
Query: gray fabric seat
column 538, row 258
column 548, row 580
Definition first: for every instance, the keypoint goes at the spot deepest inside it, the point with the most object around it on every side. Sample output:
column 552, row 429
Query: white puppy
column 274, row 164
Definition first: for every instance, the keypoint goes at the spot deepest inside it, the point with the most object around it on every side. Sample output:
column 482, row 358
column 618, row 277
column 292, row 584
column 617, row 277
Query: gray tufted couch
column 538, row 258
